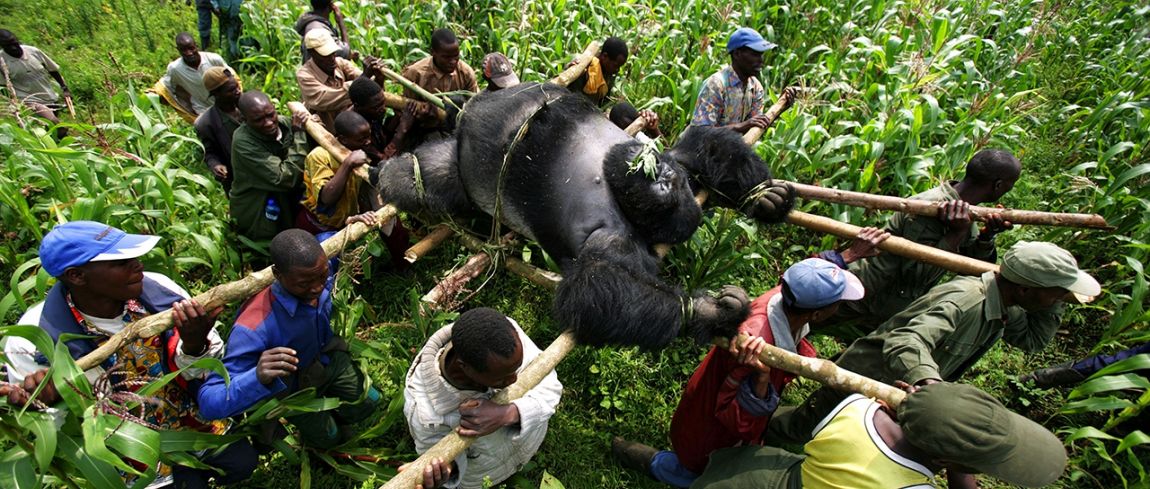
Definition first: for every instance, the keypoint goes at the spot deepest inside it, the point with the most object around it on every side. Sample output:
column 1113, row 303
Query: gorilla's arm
column 721, row 162
column 612, row 295
column 660, row 206
column 435, row 190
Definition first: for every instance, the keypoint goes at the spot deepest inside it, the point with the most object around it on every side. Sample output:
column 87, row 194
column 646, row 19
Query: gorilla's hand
column 773, row 204
column 719, row 315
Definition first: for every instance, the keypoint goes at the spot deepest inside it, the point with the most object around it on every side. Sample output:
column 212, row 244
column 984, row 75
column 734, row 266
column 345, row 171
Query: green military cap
column 960, row 424
column 1041, row 264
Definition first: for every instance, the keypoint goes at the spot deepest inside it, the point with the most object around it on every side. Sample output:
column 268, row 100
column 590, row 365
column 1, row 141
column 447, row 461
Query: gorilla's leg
column 657, row 200
column 612, row 295
column 737, row 177
column 425, row 181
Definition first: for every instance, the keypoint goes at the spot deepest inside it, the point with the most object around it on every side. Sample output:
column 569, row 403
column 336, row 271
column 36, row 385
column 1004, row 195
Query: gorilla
column 547, row 164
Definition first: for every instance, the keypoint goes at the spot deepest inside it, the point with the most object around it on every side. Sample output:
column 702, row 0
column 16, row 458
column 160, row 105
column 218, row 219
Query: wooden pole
column 447, row 289
column 399, row 102
column 410, row 85
column 575, row 71
column 954, row 262
column 535, row 275
column 930, row 208
column 824, row 371
column 221, row 295
column 636, row 126
column 785, row 101
column 433, row 239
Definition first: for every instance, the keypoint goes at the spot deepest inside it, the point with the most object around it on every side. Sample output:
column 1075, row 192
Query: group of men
column 907, row 328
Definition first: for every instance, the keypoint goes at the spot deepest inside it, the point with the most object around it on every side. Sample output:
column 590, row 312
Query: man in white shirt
column 449, row 387
column 31, row 73
column 184, row 79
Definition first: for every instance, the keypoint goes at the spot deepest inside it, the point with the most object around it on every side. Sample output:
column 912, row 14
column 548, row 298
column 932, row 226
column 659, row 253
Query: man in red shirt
column 731, row 395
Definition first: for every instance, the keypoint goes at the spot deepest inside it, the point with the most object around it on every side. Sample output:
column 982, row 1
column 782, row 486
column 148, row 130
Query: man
column 282, row 342
column 319, row 17
column 101, row 287
column 945, row 332
column 897, row 281
column 733, row 97
column 332, row 193
column 29, row 69
column 231, row 25
column 216, row 125
column 498, row 73
column 184, row 80
column 325, row 77
column 731, row 395
column 204, row 12
column 443, row 71
column 623, row 114
column 387, row 137
column 865, row 445
column 267, row 158
column 596, row 83
column 449, row 387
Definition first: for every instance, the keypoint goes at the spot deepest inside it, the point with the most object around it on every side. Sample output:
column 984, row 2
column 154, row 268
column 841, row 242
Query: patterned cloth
column 724, row 99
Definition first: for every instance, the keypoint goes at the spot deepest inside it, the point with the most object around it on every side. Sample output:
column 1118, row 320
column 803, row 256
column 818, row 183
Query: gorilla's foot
column 719, row 315
column 771, row 203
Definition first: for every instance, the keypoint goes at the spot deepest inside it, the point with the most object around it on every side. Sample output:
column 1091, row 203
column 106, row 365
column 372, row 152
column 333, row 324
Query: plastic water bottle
column 272, row 210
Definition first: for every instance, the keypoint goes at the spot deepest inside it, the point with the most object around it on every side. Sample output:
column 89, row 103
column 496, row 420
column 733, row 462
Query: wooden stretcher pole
column 930, row 208
column 575, row 71
column 410, row 85
column 433, row 239
column 222, row 295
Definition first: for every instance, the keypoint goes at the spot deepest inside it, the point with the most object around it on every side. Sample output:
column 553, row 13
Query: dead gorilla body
column 568, row 185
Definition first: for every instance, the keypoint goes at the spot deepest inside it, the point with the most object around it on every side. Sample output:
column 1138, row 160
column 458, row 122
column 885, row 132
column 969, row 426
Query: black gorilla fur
column 568, row 184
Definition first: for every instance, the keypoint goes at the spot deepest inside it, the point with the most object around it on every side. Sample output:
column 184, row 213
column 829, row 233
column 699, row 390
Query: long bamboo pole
column 433, row 239
column 575, row 71
column 824, row 371
column 785, row 101
column 410, row 85
column 930, row 208
column 221, row 295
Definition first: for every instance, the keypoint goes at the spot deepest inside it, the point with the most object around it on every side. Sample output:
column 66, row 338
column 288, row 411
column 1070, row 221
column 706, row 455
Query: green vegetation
column 904, row 92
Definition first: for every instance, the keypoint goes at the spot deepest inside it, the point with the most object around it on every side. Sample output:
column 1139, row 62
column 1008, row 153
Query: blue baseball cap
column 747, row 37
column 816, row 283
column 77, row 243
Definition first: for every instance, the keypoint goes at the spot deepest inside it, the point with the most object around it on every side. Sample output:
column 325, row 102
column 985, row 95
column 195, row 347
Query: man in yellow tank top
column 863, row 444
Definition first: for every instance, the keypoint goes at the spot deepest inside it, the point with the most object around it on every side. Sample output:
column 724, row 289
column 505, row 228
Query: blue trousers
column 665, row 467
column 204, row 22
column 237, row 462
column 1087, row 366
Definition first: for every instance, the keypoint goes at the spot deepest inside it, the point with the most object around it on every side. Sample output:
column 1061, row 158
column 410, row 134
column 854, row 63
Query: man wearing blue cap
column 733, row 97
column 731, row 396
column 945, row 332
column 101, row 287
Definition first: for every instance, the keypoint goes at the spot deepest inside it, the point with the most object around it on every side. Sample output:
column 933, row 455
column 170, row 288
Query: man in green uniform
column 864, row 445
column 945, row 332
column 893, row 282
column 268, row 153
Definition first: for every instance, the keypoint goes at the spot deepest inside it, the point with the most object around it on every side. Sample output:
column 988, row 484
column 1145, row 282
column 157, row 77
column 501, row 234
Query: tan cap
column 1041, row 264
column 321, row 41
column 216, row 76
